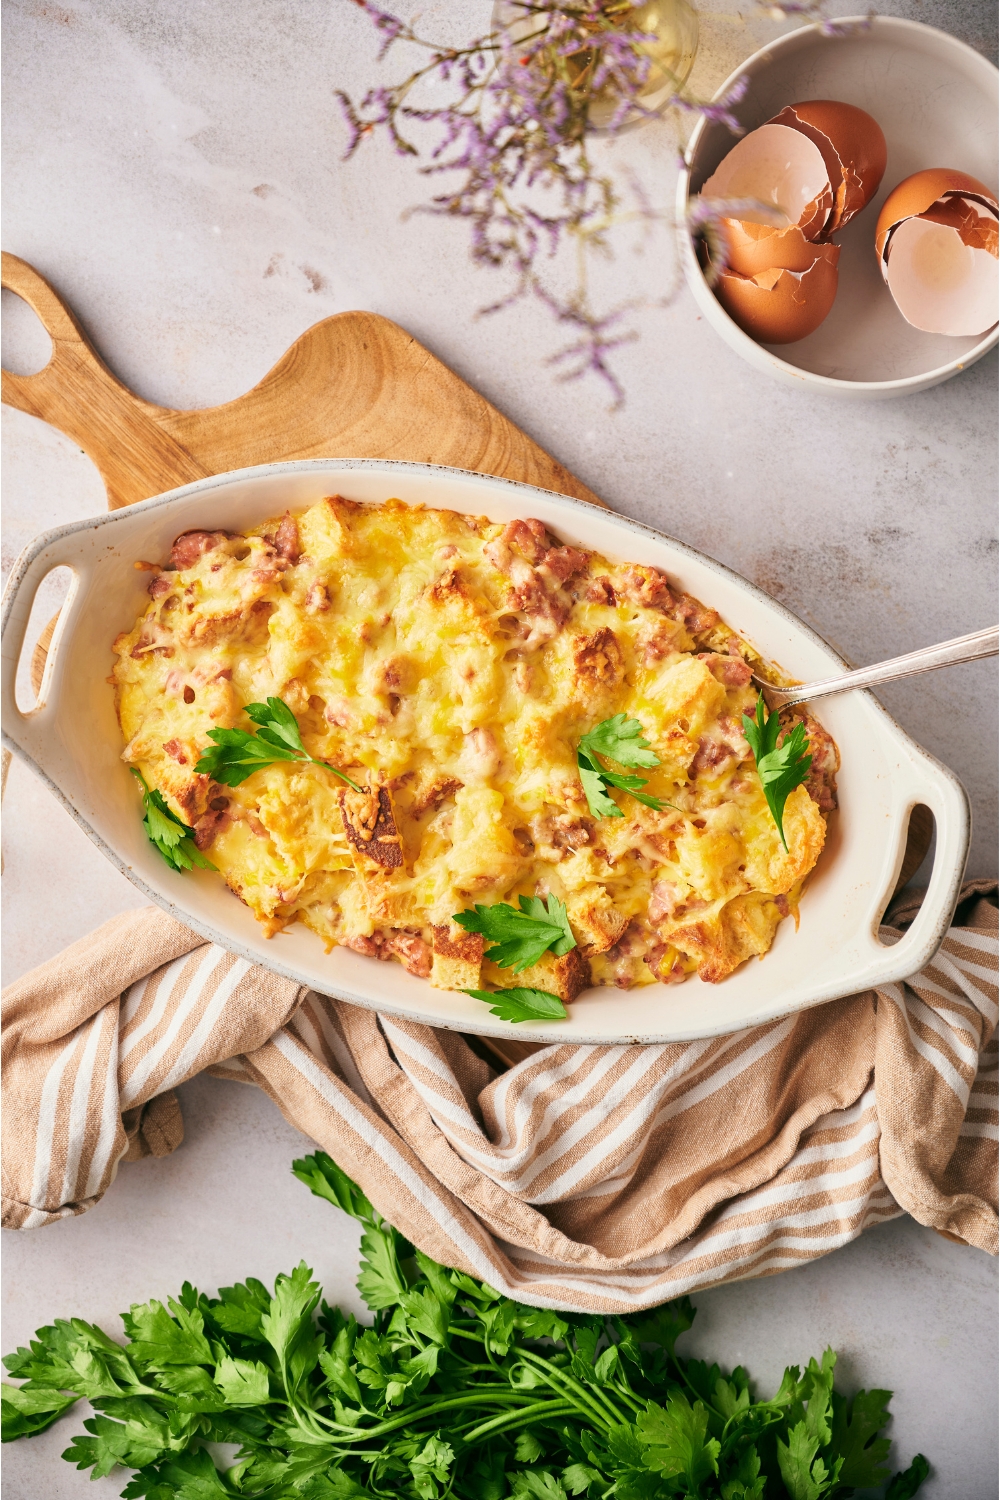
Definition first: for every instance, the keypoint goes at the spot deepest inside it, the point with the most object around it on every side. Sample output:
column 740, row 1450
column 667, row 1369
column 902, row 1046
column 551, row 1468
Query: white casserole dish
column 72, row 739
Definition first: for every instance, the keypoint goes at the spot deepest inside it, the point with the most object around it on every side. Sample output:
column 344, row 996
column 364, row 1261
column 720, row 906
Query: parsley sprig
column 456, row 1390
column 237, row 753
column 781, row 768
column 167, row 834
column 620, row 739
column 520, row 1004
column 521, row 937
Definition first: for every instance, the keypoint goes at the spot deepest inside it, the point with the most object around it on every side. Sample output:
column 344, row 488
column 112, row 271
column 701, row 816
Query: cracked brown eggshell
column 916, row 194
column 937, row 242
column 780, row 168
column 777, row 306
column 752, row 248
column 853, row 149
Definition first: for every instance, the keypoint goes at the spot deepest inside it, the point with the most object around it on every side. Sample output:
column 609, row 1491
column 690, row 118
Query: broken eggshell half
column 937, row 242
column 780, row 168
column 777, row 304
column 853, row 149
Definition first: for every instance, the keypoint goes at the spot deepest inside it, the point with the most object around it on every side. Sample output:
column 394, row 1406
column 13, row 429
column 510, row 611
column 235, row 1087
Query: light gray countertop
column 176, row 173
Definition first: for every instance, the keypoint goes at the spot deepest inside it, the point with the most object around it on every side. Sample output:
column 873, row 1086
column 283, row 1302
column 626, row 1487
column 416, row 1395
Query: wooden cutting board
column 353, row 386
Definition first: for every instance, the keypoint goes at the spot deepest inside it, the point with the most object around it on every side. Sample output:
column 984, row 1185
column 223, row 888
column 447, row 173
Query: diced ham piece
column 157, row 587
column 731, row 671
column 154, row 637
column 647, row 587
column 600, row 591
column 286, row 541
column 317, row 598
column 480, row 755
column 191, row 545
column 371, row 947
column 650, row 588
column 821, row 783
column 411, row 948
column 563, row 563
column 663, row 900
column 690, row 613
column 727, row 743
column 527, row 537
column 209, row 824
column 536, row 591
column 176, row 751
column 433, row 795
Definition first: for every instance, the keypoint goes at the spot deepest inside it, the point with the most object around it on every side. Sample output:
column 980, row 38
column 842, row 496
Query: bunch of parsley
column 454, row 1391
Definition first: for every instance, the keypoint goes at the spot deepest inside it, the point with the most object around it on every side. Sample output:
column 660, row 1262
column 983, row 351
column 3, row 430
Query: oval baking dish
column 72, row 739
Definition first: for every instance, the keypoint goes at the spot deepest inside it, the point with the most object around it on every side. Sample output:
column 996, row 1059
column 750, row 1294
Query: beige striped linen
column 589, row 1177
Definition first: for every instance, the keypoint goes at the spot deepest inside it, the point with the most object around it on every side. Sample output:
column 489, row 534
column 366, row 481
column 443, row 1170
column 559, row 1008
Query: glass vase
column 672, row 29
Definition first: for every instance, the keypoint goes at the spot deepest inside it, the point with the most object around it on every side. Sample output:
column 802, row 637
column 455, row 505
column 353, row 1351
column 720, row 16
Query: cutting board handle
column 77, row 393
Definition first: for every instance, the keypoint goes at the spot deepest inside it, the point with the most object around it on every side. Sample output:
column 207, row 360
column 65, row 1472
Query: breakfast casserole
column 444, row 671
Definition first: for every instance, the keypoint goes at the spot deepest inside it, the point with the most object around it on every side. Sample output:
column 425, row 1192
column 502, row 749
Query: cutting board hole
column 40, row 644
column 25, row 348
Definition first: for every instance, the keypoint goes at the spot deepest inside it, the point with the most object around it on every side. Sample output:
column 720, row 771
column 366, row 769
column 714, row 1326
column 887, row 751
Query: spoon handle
column 928, row 659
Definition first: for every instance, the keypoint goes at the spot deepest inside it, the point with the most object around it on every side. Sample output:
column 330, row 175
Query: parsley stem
column 525, row 1416
column 416, row 1412
column 594, row 1399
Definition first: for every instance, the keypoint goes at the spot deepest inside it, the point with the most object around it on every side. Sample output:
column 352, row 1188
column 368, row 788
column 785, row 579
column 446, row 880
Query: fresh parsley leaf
column 381, row 1282
column 279, row 725
column 522, row 1004
column 159, row 1339
column 27, row 1409
column 905, row 1484
column 537, row 1484
column 595, row 788
column 676, row 1442
column 243, row 1382
column 748, row 1483
column 781, row 768
column 288, row 1326
column 186, row 1476
column 136, row 1443
column 577, row 1478
column 806, row 1476
column 621, row 740
column 856, row 1425
column 527, row 1448
column 431, row 1463
column 521, row 937
column 662, row 1325
column 237, row 753
column 321, row 1173
column 167, row 834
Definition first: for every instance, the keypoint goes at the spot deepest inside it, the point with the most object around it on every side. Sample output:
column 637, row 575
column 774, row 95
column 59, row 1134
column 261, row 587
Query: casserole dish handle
column 920, row 780
column 26, row 729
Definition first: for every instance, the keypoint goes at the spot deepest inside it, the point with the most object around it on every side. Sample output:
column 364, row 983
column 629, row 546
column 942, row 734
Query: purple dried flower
column 516, row 126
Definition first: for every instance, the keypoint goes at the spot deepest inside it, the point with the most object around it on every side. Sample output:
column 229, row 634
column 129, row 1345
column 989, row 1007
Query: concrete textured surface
column 176, row 172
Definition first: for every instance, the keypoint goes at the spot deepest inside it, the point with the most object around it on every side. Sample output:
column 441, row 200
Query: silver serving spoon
column 928, row 659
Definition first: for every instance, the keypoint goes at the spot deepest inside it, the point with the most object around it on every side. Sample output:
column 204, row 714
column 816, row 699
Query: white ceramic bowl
column 73, row 741
column 936, row 101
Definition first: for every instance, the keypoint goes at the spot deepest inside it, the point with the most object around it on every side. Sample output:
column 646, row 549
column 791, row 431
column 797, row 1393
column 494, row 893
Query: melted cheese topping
column 450, row 667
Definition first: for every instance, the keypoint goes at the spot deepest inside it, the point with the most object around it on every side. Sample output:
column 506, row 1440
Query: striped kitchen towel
column 591, row 1177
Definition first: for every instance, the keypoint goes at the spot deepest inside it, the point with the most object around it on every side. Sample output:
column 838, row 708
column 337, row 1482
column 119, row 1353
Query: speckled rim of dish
column 748, row 348
column 918, row 946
